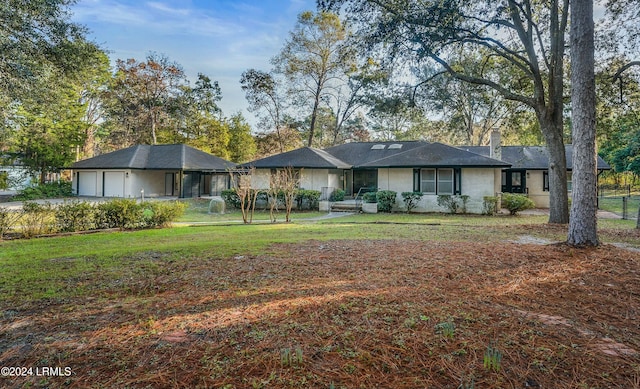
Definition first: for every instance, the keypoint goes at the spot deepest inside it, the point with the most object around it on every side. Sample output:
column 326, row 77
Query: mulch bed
column 353, row 314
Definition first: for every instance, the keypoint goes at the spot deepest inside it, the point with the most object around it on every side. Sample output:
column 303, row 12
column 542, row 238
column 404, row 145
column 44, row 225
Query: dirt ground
column 352, row 314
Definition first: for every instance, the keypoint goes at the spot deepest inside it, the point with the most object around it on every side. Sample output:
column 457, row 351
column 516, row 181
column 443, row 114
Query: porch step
column 346, row 206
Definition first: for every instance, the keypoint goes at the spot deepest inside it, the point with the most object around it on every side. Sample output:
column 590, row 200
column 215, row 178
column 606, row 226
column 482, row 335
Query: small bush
column 309, row 197
column 448, row 202
column 36, row 219
column 370, row 197
column 231, row 198
column 45, row 191
column 454, row 204
column 516, row 202
column 8, row 220
column 386, row 200
column 337, row 195
column 161, row 213
column 489, row 205
column 411, row 200
column 75, row 216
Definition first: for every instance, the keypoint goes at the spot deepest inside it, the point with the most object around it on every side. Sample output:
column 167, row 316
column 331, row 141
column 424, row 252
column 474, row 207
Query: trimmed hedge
column 38, row 219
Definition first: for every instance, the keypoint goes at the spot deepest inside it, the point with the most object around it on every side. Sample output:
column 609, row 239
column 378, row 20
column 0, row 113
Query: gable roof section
column 435, row 155
column 305, row 157
column 156, row 157
column 530, row 157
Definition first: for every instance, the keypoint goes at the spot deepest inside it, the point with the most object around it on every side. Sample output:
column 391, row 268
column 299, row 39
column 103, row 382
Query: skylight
column 395, row 146
column 378, row 147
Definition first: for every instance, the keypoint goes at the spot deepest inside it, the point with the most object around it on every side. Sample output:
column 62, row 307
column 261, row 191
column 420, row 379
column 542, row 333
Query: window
column 445, row 181
column 428, row 181
column 437, row 181
column 545, row 181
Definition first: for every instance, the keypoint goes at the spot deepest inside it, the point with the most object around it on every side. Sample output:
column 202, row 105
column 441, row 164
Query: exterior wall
column 476, row 183
column 534, row 188
column 261, row 179
column 335, row 179
column 152, row 181
column 311, row 179
column 314, row 179
column 134, row 181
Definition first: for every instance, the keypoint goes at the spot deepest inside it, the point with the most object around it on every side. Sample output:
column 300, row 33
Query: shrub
column 448, row 202
column 386, row 200
column 8, row 220
column 119, row 213
column 45, row 191
column 161, row 213
column 36, row 219
column 337, row 195
column 4, row 180
column 516, row 202
column 411, row 200
column 310, row 197
column 75, row 216
column 370, row 197
column 489, row 205
column 231, row 198
column 454, row 204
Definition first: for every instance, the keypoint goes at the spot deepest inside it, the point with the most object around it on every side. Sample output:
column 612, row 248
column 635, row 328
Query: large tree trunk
column 558, row 199
column 314, row 115
column 583, row 223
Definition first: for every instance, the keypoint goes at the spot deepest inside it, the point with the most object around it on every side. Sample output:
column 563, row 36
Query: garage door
column 87, row 183
column 114, row 184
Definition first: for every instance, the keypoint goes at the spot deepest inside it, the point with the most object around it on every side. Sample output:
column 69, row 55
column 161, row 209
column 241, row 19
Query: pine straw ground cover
column 399, row 313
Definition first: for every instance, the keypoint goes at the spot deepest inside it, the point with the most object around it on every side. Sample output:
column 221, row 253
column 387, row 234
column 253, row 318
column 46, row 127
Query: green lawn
column 50, row 267
column 356, row 301
column 615, row 204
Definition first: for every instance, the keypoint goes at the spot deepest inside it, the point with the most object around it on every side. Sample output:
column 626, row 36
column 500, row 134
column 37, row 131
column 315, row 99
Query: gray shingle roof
column 156, row 157
column 305, row 157
column 529, row 157
column 434, row 155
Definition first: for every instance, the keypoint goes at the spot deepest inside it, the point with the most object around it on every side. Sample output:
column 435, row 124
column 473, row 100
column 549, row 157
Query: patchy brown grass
column 360, row 314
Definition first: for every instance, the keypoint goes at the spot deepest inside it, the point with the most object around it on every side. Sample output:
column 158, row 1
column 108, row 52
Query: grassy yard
column 387, row 301
column 615, row 204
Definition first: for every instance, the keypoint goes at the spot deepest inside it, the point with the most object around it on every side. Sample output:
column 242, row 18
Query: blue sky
column 220, row 38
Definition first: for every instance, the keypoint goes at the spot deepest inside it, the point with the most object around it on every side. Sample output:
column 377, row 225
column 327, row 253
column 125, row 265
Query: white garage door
column 113, row 184
column 87, row 183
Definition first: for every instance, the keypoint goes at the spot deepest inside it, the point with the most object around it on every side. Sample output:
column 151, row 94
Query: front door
column 514, row 181
column 169, row 179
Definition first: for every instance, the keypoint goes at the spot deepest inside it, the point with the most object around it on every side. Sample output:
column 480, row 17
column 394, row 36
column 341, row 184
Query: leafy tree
column 34, row 37
column 314, row 57
column 470, row 111
column 269, row 143
column 242, row 146
column 49, row 128
column 92, row 81
column 197, row 119
column 528, row 36
column 263, row 92
column 143, row 98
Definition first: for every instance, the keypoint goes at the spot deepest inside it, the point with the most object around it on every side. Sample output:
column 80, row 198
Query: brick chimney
column 495, row 148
